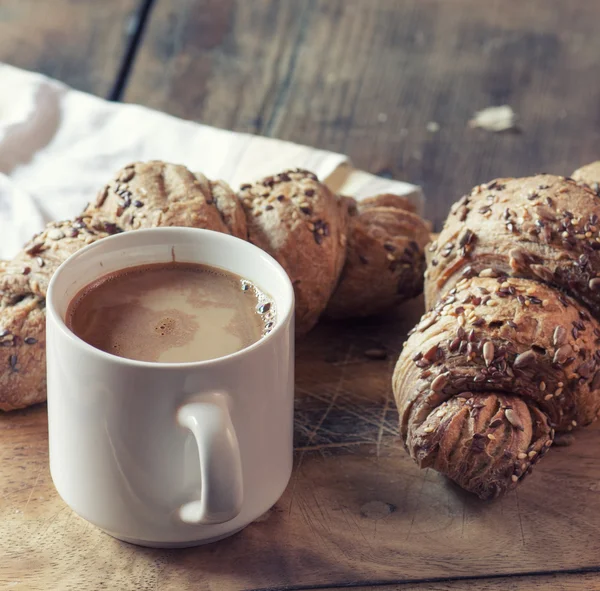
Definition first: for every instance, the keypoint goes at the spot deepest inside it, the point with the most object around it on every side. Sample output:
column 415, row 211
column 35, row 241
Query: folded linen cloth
column 58, row 146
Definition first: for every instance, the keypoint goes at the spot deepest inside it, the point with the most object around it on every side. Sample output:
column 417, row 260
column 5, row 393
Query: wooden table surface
column 369, row 78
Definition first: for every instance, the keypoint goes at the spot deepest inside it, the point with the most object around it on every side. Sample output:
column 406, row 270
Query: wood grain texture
column 563, row 582
column 365, row 77
column 357, row 510
column 80, row 42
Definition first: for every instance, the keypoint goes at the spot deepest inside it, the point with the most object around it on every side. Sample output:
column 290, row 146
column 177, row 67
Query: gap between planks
column 135, row 31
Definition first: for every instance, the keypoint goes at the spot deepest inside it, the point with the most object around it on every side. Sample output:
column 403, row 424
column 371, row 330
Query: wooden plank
column 562, row 582
column 357, row 510
column 365, row 77
column 80, row 42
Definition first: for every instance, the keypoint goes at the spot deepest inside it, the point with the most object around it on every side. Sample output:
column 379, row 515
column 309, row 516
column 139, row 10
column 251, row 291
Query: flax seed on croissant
column 508, row 352
column 292, row 216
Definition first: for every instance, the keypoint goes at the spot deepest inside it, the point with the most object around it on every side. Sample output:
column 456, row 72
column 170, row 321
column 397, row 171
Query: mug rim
column 54, row 316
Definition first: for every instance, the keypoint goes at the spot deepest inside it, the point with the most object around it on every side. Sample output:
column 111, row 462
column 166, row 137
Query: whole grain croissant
column 315, row 235
column 508, row 353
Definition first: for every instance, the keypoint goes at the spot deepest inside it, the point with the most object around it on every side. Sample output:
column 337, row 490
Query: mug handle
column 221, row 493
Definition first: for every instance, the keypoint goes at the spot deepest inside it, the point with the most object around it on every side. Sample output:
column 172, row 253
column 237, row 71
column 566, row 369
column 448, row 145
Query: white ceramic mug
column 165, row 454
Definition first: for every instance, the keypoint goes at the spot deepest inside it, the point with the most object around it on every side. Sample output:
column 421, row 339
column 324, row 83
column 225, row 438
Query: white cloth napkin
column 58, row 146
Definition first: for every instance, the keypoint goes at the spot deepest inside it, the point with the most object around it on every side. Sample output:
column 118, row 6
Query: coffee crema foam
column 171, row 313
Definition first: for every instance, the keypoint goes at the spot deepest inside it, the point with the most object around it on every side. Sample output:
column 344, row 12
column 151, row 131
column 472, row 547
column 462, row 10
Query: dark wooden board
column 365, row 77
column 80, row 42
column 357, row 510
column 563, row 582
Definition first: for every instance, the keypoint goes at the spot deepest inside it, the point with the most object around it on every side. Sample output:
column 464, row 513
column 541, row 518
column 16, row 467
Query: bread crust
column 386, row 257
column 150, row 194
column 293, row 216
column 545, row 228
column 303, row 225
column 589, row 175
column 507, row 354
column 23, row 285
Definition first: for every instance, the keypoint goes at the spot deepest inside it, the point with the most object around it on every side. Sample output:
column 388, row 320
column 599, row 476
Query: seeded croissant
column 23, row 285
column 590, row 176
column 383, row 264
column 293, row 216
column 508, row 353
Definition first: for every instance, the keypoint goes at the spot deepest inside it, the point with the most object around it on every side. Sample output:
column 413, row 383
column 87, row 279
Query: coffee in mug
column 171, row 313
